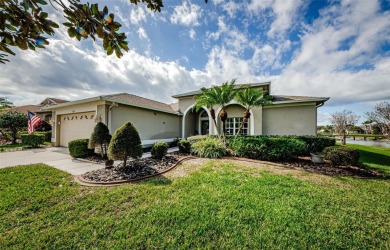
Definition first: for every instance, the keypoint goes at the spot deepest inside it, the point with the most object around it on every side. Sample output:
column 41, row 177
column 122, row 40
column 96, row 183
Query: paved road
column 57, row 157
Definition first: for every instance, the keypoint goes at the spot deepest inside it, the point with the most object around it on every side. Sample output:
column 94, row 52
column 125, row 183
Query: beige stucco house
column 157, row 121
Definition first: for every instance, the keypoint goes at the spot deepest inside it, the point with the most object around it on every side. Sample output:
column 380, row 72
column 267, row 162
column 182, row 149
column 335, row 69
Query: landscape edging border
column 83, row 181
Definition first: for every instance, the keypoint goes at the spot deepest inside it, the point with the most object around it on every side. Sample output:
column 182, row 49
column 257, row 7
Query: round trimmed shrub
column 79, row 148
column 125, row 143
column 209, row 148
column 100, row 136
column 184, row 146
column 340, row 155
column 159, row 150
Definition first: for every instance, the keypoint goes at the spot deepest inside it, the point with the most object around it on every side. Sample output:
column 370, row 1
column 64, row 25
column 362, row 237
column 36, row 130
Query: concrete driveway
column 57, row 157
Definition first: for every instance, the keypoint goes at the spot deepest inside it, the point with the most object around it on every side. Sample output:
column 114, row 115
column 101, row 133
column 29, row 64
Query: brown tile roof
column 130, row 99
column 49, row 101
column 24, row 109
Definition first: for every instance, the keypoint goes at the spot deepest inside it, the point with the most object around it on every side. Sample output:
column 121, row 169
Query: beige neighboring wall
column 151, row 125
column 290, row 120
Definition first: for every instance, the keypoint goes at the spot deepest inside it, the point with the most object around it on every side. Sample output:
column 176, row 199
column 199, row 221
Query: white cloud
column 325, row 65
column 284, row 13
column 192, row 33
column 186, row 14
column 142, row 33
column 137, row 15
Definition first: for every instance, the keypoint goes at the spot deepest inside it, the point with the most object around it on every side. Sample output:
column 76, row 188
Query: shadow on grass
column 375, row 161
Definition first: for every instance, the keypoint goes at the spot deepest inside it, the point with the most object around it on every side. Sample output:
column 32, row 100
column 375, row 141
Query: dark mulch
column 133, row 170
column 96, row 158
column 329, row 169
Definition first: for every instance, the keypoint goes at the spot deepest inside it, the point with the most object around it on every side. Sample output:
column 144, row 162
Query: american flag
column 33, row 121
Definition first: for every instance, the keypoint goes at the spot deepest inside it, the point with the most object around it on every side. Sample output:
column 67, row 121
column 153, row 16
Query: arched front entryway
column 196, row 123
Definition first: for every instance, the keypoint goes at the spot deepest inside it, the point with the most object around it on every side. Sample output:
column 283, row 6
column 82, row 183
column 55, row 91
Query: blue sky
column 337, row 49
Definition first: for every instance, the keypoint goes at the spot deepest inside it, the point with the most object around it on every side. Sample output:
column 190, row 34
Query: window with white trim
column 232, row 125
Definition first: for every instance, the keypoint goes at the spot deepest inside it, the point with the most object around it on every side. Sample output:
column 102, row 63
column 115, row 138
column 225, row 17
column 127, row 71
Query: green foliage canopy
column 100, row 136
column 13, row 121
column 4, row 103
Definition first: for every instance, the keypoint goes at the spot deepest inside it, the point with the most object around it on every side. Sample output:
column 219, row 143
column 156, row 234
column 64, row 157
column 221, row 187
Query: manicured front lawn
column 202, row 205
column 377, row 158
column 12, row 146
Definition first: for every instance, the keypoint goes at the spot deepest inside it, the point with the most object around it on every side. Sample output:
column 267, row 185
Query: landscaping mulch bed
column 134, row 169
column 95, row 158
column 329, row 169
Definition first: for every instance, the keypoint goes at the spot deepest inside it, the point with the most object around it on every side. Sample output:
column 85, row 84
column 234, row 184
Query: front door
column 205, row 127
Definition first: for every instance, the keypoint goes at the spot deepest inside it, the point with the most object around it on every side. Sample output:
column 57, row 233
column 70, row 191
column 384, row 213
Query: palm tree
column 209, row 100
column 224, row 94
column 249, row 98
column 217, row 95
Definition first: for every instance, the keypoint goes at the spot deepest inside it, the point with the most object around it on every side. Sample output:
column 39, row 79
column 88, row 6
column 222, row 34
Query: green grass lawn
column 377, row 158
column 214, row 204
column 12, row 146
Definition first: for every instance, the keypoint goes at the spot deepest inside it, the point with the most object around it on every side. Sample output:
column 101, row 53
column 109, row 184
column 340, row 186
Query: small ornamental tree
column 125, row 143
column 342, row 121
column 100, row 137
column 381, row 117
column 13, row 122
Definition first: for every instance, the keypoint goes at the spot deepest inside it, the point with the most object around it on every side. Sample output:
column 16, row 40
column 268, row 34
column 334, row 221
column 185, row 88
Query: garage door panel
column 76, row 126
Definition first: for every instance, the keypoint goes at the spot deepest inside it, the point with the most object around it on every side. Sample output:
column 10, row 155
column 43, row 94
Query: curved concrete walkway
column 57, row 157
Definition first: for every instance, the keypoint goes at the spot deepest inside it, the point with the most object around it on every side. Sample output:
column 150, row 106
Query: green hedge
column 46, row 134
column 33, row 140
column 159, row 150
column 79, row 148
column 267, row 148
column 184, row 146
column 315, row 144
column 341, row 155
column 209, row 148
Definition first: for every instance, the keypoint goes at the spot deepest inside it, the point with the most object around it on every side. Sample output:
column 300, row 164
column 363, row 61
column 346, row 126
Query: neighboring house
column 45, row 115
column 156, row 121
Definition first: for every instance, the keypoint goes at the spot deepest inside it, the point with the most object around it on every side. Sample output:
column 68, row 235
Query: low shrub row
column 33, row 140
column 267, row 148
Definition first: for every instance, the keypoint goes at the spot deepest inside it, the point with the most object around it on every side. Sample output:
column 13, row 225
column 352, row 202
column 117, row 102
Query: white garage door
column 76, row 126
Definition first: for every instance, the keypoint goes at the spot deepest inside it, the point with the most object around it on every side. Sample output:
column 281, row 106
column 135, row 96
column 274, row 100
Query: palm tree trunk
column 223, row 131
column 241, row 126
